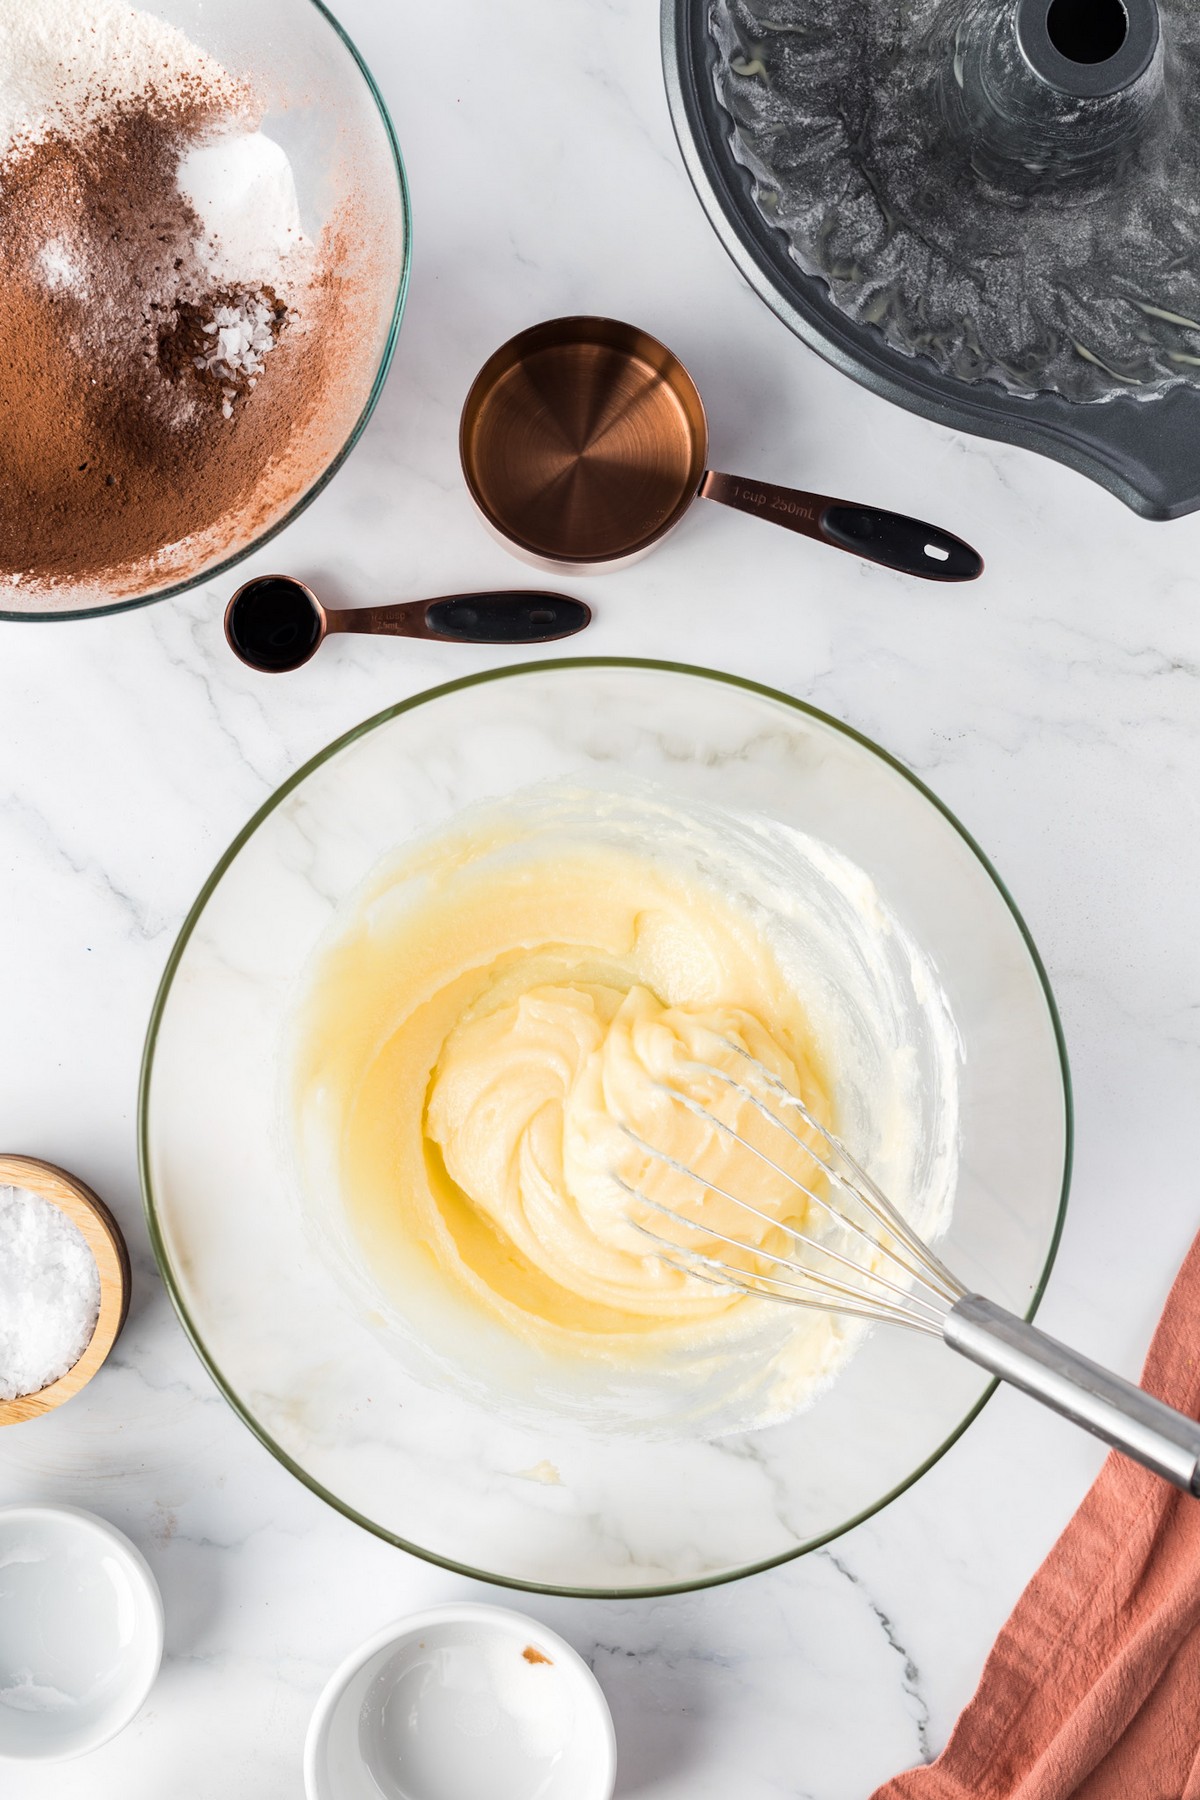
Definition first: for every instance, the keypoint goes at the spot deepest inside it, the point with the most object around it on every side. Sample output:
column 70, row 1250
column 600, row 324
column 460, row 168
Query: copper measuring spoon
column 275, row 623
column 584, row 441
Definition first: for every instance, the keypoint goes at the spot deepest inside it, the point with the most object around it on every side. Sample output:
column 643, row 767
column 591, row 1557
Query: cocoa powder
column 116, row 459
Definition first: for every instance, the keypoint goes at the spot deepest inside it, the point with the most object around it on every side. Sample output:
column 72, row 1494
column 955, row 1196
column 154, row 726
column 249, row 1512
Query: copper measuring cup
column 584, row 441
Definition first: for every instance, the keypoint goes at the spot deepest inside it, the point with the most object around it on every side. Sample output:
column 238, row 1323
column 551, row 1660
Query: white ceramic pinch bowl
column 81, row 1633
column 462, row 1703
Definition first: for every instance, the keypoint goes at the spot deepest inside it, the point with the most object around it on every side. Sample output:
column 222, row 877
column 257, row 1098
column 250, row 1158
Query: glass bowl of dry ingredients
column 419, row 990
column 204, row 230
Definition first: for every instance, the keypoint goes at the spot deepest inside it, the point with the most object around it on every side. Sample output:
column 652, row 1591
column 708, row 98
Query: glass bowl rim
column 654, row 1590
column 322, row 481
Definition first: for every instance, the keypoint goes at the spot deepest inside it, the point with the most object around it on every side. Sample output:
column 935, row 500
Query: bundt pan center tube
column 986, row 210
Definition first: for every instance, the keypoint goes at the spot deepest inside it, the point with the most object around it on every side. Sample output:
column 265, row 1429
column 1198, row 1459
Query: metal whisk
column 873, row 1265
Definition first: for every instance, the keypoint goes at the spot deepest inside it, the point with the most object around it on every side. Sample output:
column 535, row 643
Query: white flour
column 67, row 64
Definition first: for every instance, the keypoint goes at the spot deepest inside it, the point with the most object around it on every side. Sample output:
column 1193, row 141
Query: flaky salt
column 49, row 1293
column 242, row 336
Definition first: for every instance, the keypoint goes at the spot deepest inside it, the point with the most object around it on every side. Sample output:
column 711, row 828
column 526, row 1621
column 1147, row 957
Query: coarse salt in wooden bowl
column 103, row 1237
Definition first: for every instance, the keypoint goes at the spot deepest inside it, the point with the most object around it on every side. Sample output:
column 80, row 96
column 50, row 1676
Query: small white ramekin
column 81, row 1632
column 462, row 1702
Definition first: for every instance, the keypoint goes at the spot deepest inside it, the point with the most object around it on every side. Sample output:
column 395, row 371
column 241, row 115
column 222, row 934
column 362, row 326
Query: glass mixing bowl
column 323, row 107
column 556, row 1505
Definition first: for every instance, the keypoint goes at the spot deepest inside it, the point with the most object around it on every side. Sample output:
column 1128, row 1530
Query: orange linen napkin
column 1092, row 1691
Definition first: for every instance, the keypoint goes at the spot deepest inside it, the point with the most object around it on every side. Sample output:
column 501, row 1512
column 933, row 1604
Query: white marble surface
column 1055, row 707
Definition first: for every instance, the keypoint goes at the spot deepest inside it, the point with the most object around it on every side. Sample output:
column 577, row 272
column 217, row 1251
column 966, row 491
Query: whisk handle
column 1125, row 1416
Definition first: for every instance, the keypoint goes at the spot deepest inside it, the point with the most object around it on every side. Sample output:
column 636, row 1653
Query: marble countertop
column 1055, row 707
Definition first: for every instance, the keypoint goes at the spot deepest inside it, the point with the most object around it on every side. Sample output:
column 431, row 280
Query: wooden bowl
column 104, row 1240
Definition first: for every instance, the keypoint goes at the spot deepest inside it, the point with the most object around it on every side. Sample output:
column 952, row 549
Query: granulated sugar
column 241, row 189
column 49, row 1293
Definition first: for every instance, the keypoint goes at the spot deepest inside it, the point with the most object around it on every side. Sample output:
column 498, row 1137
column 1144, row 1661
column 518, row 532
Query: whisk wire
column 792, row 1293
column 861, row 1186
column 917, row 1290
column 915, row 1270
column 817, row 1276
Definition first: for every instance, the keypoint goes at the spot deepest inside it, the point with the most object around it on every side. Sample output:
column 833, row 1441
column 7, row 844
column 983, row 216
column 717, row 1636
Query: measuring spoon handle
column 892, row 539
column 502, row 618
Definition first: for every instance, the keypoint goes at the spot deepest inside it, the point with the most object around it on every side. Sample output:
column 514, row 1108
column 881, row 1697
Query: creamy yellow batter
column 510, row 1014
column 477, row 1046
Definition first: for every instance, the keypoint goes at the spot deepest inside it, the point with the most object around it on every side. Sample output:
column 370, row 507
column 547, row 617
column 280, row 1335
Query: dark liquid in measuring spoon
column 274, row 624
